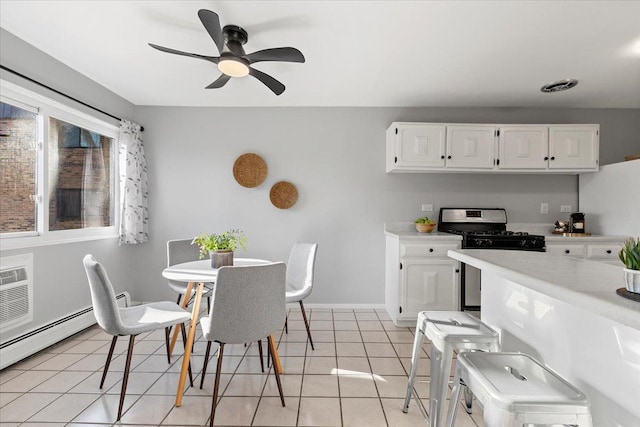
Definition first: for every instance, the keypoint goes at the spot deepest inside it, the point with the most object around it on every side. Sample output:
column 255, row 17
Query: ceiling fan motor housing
column 233, row 33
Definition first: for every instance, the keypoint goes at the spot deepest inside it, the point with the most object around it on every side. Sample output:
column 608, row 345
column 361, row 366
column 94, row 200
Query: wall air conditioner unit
column 16, row 291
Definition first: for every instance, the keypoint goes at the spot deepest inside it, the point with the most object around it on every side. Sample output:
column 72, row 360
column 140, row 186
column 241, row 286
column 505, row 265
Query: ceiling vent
column 559, row 86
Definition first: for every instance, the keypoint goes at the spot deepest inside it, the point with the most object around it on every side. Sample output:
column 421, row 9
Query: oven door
column 470, row 288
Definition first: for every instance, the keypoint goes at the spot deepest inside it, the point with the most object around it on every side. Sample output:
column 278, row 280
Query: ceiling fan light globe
column 233, row 67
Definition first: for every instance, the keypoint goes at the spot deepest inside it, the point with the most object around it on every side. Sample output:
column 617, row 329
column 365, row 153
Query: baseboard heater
column 31, row 342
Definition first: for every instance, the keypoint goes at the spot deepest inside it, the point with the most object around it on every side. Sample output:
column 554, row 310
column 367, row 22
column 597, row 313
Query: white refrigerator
column 610, row 199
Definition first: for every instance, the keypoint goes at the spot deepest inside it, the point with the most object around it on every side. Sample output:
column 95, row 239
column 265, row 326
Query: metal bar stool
column 448, row 331
column 517, row 390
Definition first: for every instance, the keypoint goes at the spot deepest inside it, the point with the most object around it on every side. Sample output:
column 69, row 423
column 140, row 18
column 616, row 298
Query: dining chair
column 300, row 268
column 127, row 321
column 179, row 251
column 248, row 305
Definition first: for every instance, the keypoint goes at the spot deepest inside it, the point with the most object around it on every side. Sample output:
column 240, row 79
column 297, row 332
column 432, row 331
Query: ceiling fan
column 233, row 61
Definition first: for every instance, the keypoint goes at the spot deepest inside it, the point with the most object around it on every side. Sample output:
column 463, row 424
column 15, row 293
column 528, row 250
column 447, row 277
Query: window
column 59, row 170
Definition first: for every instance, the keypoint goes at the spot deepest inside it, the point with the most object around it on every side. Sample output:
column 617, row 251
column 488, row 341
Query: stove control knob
column 482, row 243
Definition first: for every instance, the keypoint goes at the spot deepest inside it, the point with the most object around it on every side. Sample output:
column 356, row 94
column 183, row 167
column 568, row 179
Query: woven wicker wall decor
column 250, row 170
column 283, row 195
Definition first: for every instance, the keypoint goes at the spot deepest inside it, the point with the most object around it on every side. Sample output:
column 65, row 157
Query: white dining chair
column 248, row 305
column 300, row 269
column 127, row 321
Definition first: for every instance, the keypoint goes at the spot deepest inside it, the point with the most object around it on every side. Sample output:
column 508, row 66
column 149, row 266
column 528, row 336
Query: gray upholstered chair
column 248, row 305
column 128, row 321
column 300, row 268
column 179, row 251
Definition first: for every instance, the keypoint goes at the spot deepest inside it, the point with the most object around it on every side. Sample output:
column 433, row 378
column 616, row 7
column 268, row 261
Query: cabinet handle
column 457, row 270
column 448, row 157
column 442, row 157
column 553, row 158
column 567, row 251
column 546, row 158
column 608, row 251
column 430, row 249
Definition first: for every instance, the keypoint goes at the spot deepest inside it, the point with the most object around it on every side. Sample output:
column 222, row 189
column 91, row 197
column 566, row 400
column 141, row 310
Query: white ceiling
column 359, row 53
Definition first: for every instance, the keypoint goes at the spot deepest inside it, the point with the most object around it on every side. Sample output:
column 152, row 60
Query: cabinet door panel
column 573, row 147
column 428, row 285
column 523, row 147
column 420, row 146
column 471, row 147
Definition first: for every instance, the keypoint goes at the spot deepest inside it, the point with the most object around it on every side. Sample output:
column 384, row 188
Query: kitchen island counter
column 585, row 284
column 565, row 312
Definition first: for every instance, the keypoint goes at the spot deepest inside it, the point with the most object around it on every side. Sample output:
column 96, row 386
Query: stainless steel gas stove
column 483, row 228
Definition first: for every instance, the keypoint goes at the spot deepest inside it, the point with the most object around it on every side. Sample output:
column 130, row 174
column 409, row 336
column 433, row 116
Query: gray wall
column 60, row 284
column 335, row 157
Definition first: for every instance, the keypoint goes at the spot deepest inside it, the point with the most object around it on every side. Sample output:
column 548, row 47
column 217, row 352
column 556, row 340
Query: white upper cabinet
column 451, row 147
column 523, row 147
column 574, row 147
column 415, row 146
column 471, row 146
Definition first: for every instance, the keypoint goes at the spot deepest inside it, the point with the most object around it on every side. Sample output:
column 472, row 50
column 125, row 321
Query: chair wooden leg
column 108, row 362
column 125, row 378
column 275, row 370
column 184, row 343
column 171, row 327
column 260, row 351
column 206, row 362
column 306, row 323
column 216, row 385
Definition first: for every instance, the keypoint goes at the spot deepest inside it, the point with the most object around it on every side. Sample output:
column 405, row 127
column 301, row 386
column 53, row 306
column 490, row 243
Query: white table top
column 201, row 271
column 586, row 284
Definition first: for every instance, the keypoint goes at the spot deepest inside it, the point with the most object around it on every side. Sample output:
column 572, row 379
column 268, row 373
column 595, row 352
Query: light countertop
column 582, row 283
column 408, row 229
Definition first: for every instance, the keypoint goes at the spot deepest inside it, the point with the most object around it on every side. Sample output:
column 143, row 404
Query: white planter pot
column 632, row 280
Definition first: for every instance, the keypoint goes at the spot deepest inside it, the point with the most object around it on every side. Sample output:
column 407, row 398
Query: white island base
column 566, row 314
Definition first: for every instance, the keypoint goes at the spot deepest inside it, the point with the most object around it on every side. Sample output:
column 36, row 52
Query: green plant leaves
column 630, row 254
column 227, row 241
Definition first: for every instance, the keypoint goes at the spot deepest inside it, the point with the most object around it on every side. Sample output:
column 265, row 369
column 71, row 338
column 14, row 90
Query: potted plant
column 630, row 257
column 220, row 247
column 424, row 225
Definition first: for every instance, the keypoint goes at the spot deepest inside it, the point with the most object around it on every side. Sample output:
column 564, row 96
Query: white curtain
column 134, row 216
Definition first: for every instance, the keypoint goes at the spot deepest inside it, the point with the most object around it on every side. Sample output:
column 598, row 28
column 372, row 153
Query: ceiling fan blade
column 213, row 59
column 269, row 81
column 220, row 81
column 211, row 23
column 284, row 54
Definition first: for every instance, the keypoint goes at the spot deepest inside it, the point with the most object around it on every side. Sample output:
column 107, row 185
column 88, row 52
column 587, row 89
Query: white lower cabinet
column 601, row 250
column 427, row 285
column 419, row 276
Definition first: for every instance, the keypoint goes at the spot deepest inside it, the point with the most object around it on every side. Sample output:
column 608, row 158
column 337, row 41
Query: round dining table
column 198, row 274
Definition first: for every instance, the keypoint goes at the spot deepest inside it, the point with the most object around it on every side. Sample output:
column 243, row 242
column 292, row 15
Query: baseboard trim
column 340, row 306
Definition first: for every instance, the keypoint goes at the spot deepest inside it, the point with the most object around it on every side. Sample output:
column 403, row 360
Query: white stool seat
column 515, row 389
column 448, row 331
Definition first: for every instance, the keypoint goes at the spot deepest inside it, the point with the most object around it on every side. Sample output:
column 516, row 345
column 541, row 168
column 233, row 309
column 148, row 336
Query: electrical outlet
column 565, row 208
column 427, row 207
column 544, row 208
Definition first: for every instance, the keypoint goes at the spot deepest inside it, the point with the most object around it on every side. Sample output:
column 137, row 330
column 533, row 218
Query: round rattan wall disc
column 250, row 170
column 283, row 195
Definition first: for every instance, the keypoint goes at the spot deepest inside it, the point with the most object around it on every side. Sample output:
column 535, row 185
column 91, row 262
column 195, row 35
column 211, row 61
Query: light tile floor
column 356, row 376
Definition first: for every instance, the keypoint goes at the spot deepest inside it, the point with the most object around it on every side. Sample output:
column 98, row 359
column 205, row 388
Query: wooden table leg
column 189, row 344
column 276, row 358
column 176, row 330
